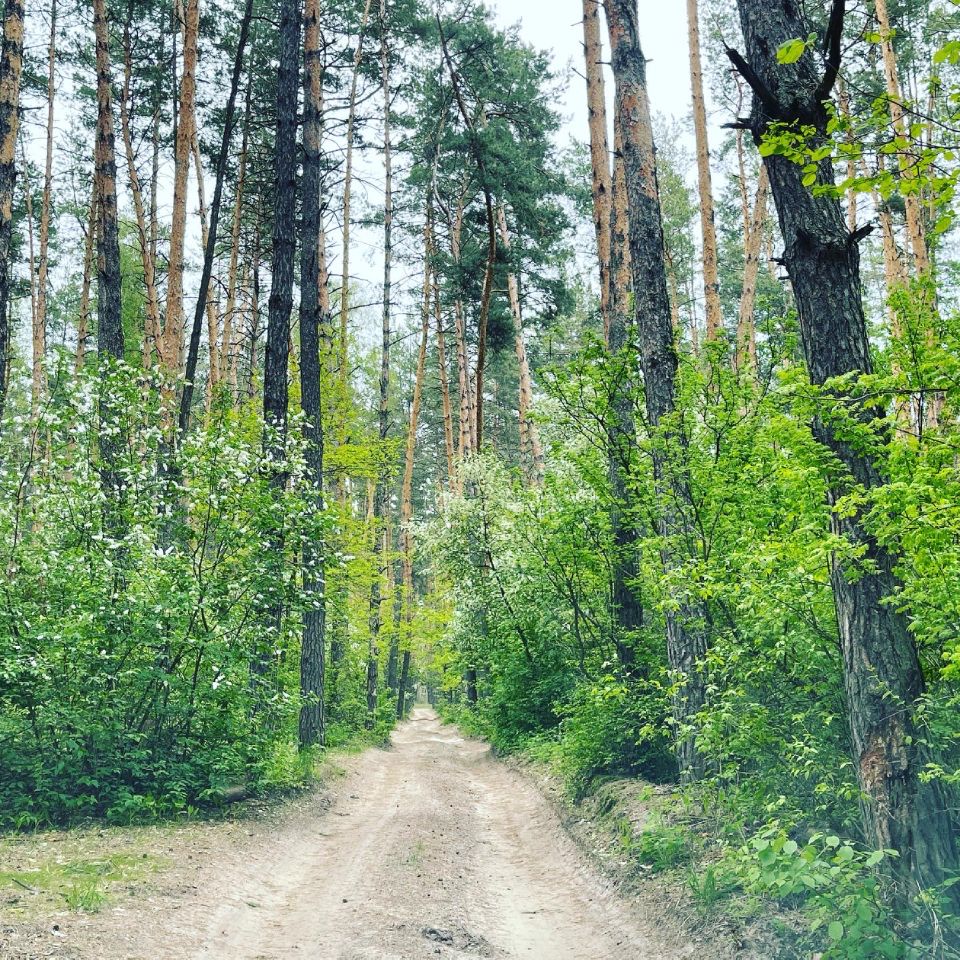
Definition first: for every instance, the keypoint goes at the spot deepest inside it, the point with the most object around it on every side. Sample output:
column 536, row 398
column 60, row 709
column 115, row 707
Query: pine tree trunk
column 406, row 493
column 89, row 248
column 530, row 445
column 109, row 325
column 686, row 628
column 380, row 505
column 37, row 333
column 204, row 304
column 711, row 281
column 151, row 333
column 467, row 420
column 40, row 337
column 626, row 609
column 753, row 235
column 172, row 344
column 348, row 197
column 209, row 302
column 444, row 387
column 110, row 342
column 311, row 727
column 602, row 181
column 881, row 667
column 11, row 65
column 280, row 305
column 911, row 200
column 228, row 351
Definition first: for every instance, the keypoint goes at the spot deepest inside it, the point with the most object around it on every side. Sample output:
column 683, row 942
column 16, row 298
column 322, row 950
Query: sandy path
column 430, row 849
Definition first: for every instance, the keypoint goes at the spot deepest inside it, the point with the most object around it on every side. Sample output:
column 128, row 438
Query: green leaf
column 791, row 51
column 835, row 930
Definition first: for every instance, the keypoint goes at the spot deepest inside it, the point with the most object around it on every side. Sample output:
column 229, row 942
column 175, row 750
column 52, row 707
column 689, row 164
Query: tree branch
column 758, row 87
column 832, row 49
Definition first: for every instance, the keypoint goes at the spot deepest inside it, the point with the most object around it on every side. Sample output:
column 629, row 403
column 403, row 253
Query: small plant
column 838, row 886
column 659, row 848
column 709, row 887
column 85, row 895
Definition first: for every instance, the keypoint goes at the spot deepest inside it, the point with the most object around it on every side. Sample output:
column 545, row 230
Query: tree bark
column 110, row 342
column 602, row 180
column 204, row 304
column 753, row 235
column 348, row 196
column 11, row 66
column 89, row 248
column 311, row 726
column 280, row 304
column 444, row 386
column 530, row 446
column 686, row 628
column 406, row 495
column 626, row 608
column 228, row 352
column 151, row 333
column 172, row 345
column 882, row 673
column 466, row 419
column 911, row 200
column 380, row 525
column 40, row 335
column 711, row 281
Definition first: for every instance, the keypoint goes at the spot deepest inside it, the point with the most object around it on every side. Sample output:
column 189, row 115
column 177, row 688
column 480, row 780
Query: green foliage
column 838, row 885
column 657, row 847
column 126, row 641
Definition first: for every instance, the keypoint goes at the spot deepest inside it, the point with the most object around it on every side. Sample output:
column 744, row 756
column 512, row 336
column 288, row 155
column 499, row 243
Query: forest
column 338, row 372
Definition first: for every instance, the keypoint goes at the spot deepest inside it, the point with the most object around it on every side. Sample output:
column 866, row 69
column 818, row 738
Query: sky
column 556, row 25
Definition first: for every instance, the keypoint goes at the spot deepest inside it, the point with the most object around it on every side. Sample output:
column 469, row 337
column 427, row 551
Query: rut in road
column 433, row 848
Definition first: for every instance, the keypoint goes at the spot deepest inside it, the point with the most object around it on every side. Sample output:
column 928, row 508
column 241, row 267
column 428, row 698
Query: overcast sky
column 556, row 25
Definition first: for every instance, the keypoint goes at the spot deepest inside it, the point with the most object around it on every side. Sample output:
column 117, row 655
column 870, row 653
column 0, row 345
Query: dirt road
column 431, row 848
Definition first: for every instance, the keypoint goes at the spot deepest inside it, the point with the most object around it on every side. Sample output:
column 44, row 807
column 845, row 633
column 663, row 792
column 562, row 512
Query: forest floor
column 428, row 848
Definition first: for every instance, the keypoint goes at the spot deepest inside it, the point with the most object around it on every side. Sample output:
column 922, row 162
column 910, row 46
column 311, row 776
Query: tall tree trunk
column 530, row 445
column 881, row 667
column 311, row 727
column 172, row 345
column 204, row 304
column 11, row 66
column 406, row 495
column 686, row 628
column 444, row 386
column 253, row 359
column 626, row 608
column 621, row 272
column 37, row 332
column 753, row 235
column 711, row 281
column 40, row 337
column 110, row 342
column 911, row 200
column 380, row 524
column 280, row 307
column 487, row 295
column 348, row 197
column 468, row 423
column 151, row 333
column 228, row 352
column 89, row 248
column 602, row 180
column 209, row 303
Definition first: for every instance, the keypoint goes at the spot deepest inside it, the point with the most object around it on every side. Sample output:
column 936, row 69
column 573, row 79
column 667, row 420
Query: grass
column 82, row 884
